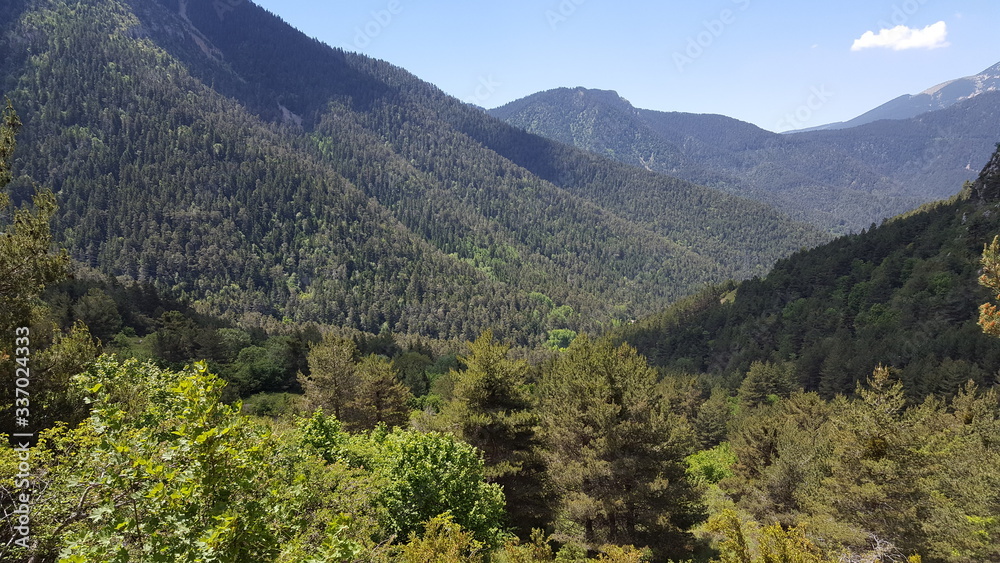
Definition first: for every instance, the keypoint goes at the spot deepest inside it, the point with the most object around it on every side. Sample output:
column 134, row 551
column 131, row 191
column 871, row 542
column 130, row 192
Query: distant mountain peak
column 936, row 97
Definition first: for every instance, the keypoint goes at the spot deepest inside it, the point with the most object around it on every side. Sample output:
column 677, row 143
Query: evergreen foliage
column 903, row 294
column 615, row 458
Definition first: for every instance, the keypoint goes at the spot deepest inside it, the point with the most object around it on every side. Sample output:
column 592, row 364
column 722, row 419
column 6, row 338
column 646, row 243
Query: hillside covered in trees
column 287, row 179
column 842, row 181
column 903, row 294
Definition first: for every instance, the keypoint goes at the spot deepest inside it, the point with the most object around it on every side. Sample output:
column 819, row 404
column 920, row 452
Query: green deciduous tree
column 419, row 476
column 161, row 471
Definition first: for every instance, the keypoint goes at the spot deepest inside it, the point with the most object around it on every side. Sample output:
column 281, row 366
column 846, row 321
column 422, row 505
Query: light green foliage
column 560, row 338
column 337, row 545
column 536, row 550
column 163, row 471
column 443, row 541
column 745, row 541
column 623, row 554
column 419, row 476
column 711, row 466
column 173, row 474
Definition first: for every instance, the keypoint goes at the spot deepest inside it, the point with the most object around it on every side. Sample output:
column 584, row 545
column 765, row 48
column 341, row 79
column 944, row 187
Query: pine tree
column 989, row 317
column 27, row 263
column 379, row 397
column 876, row 466
column 616, row 460
column 492, row 410
column 332, row 381
column 765, row 382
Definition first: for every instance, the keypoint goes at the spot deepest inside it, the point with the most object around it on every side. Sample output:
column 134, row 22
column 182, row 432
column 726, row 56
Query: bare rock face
column 987, row 186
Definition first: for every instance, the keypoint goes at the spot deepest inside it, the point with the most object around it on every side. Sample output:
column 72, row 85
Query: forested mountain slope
column 223, row 155
column 904, row 295
column 842, row 180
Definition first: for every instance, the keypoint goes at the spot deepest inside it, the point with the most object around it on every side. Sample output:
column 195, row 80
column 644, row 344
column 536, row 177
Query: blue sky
column 776, row 63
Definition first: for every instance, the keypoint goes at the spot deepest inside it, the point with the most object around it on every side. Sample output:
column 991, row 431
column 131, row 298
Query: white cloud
column 902, row 37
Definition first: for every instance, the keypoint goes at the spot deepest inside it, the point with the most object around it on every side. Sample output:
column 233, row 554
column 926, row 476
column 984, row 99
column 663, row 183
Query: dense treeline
column 430, row 132
column 903, row 294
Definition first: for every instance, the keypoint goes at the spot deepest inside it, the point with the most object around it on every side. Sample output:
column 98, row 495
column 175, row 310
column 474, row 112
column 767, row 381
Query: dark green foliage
column 872, row 477
column 903, row 294
column 30, row 346
column 412, row 367
column 177, row 340
column 99, row 313
column 615, row 455
column 766, row 382
column 493, row 410
column 380, row 398
column 9, row 124
column 361, row 392
column 712, row 421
